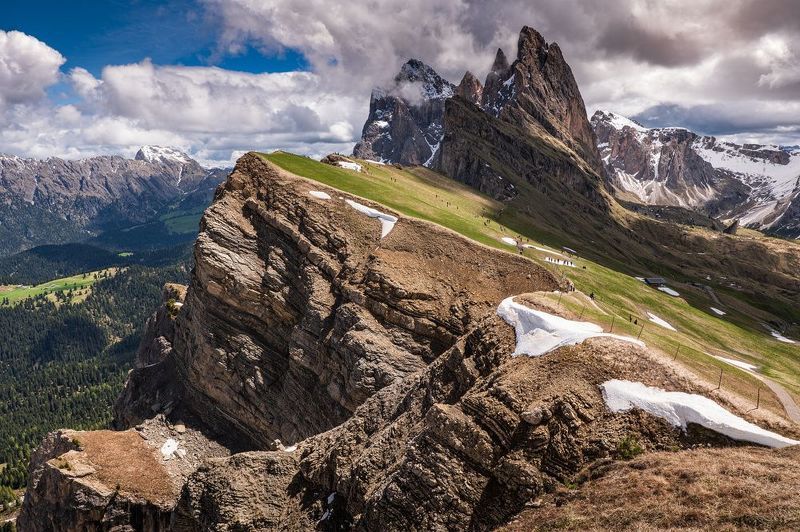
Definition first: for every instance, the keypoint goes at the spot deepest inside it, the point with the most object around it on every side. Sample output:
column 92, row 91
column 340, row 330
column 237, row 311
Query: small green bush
column 629, row 447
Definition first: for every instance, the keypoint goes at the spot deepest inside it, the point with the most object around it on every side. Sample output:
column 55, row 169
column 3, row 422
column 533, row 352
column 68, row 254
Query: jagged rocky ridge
column 379, row 364
column 533, row 107
column 759, row 185
column 56, row 200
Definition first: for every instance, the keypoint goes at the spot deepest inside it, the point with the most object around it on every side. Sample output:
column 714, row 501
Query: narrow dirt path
column 791, row 408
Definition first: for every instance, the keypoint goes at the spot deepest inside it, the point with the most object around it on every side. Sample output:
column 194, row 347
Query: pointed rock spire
column 500, row 62
column 470, row 88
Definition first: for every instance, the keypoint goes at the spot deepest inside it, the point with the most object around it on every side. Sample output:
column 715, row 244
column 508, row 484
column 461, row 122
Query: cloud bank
column 722, row 67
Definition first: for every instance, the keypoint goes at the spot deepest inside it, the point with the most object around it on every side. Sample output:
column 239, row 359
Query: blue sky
column 93, row 34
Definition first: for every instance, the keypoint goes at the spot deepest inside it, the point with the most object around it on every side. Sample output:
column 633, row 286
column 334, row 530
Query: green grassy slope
column 620, row 297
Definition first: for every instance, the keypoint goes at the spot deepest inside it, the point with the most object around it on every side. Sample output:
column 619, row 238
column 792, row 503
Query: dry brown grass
column 744, row 488
column 124, row 461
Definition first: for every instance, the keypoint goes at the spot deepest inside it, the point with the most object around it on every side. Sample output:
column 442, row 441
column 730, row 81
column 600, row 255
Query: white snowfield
column 668, row 290
column 679, row 409
column 319, row 194
column 539, row 333
column 508, row 240
column 717, row 311
column 658, row 321
column 163, row 153
column 387, row 220
column 544, row 250
column 349, row 165
column 781, row 338
column 737, row 363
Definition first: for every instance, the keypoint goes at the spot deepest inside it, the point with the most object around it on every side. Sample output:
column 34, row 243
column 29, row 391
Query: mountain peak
column 531, row 42
column 500, row 62
column 154, row 154
column 470, row 88
column 616, row 121
column 433, row 86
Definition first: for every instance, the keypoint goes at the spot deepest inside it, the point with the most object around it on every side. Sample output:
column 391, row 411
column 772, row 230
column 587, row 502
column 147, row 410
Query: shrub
column 629, row 447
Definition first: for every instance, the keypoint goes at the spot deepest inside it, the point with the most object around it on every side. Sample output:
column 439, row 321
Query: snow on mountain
column 757, row 184
column 153, row 154
column 405, row 120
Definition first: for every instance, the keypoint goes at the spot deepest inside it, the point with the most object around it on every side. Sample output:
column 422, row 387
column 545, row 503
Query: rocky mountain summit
column 759, row 185
column 322, row 373
column 56, row 200
column 405, row 120
column 532, row 106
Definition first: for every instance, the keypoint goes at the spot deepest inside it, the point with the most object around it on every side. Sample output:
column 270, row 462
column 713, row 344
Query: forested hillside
column 63, row 364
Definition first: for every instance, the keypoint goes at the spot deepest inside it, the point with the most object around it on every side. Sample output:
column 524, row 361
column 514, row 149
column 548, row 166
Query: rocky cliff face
column 405, row 120
column 57, row 200
column 360, row 381
column 756, row 184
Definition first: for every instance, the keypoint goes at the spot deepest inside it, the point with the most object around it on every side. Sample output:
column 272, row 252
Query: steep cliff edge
column 378, row 362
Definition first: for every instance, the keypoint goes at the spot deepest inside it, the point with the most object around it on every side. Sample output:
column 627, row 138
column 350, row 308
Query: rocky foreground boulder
column 318, row 376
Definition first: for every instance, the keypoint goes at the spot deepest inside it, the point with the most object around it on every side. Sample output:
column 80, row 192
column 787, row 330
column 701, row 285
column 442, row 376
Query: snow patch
column 387, row 220
column 669, row 291
column 508, row 240
column 679, row 409
column 375, row 162
column 717, row 311
column 349, row 165
column 781, row 338
column 319, row 194
column 290, row 449
column 737, row 363
column 619, row 122
column 539, row 333
column 545, row 250
column 153, row 154
column 658, row 321
column 169, row 448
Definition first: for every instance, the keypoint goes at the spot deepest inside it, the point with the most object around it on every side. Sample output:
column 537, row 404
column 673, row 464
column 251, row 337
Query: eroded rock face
column 312, row 312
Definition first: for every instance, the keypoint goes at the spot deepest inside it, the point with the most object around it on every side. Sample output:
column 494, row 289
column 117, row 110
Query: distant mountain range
column 757, row 184
column 55, row 200
column 537, row 96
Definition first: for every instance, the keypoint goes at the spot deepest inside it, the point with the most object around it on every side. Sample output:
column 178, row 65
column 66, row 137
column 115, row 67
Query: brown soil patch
column 703, row 489
column 124, row 459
